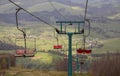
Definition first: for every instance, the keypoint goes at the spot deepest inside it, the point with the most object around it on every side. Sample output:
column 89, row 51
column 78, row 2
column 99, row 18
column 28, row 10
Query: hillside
column 107, row 41
column 104, row 35
column 52, row 10
column 27, row 72
column 75, row 8
column 104, row 17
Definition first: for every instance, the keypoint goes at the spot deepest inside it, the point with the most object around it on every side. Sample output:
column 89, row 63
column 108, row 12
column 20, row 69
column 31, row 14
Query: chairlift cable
column 86, row 7
column 56, row 9
column 33, row 15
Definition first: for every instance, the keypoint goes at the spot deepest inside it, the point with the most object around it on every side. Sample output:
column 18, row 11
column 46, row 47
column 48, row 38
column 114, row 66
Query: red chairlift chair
column 84, row 51
column 20, row 51
column 26, row 52
column 57, row 46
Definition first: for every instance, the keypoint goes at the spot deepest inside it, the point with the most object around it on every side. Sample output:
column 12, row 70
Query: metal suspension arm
column 85, row 36
column 24, row 34
column 16, row 14
column 21, row 30
column 88, row 21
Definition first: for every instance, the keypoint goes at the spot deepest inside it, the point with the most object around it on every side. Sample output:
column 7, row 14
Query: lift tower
column 70, row 34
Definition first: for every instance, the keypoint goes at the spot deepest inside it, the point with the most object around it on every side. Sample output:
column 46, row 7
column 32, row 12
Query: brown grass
column 6, row 60
column 107, row 66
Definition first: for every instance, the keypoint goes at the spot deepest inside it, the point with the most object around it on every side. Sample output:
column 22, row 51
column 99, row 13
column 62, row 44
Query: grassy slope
column 45, row 58
column 43, row 61
column 44, row 43
column 110, row 29
column 117, row 16
column 46, row 39
column 27, row 72
column 111, row 45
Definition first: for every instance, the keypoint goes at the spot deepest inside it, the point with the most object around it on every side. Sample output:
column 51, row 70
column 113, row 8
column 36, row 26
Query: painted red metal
column 83, row 51
column 57, row 46
column 20, row 51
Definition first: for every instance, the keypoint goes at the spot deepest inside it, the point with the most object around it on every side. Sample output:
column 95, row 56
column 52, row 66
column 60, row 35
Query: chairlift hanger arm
column 24, row 34
column 88, row 21
column 85, row 36
column 16, row 14
column 56, row 36
column 86, row 7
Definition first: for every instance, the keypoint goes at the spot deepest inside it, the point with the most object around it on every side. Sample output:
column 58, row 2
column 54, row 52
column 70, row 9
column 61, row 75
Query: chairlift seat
column 88, row 51
column 30, row 51
column 80, row 51
column 84, row 51
column 20, row 51
column 57, row 46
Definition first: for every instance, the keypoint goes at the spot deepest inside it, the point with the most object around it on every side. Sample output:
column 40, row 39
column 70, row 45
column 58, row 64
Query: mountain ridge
column 102, row 12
